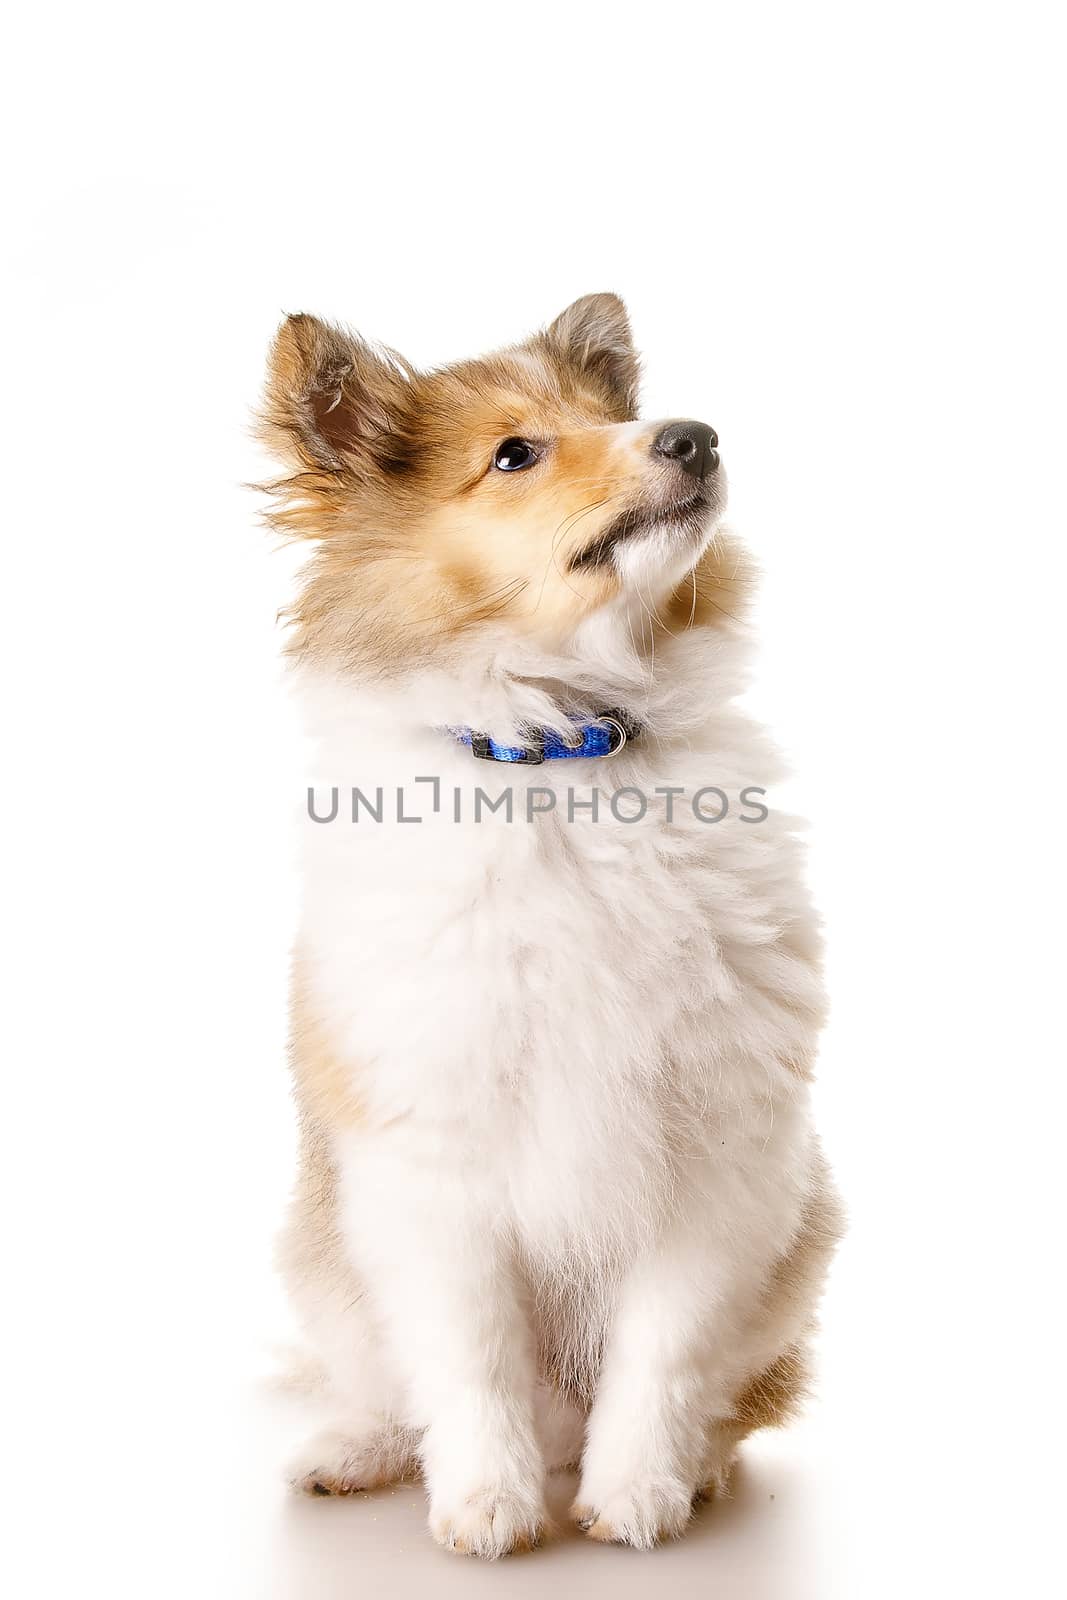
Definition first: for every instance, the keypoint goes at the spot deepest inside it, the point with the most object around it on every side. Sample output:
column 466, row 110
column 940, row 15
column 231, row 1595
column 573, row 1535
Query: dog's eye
column 513, row 455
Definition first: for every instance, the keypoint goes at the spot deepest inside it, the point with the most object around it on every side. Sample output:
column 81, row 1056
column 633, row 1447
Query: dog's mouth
column 687, row 516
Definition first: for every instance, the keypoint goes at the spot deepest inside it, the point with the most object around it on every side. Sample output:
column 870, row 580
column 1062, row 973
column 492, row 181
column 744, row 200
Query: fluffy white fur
column 577, row 1049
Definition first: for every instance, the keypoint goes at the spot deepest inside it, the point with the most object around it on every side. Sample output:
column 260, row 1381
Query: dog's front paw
column 638, row 1513
column 335, row 1462
column 493, row 1521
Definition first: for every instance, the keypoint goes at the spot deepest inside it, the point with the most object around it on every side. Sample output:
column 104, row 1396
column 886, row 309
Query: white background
column 838, row 231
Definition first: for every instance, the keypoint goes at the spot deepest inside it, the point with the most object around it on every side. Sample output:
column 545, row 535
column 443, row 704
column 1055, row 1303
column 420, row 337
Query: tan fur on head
column 420, row 542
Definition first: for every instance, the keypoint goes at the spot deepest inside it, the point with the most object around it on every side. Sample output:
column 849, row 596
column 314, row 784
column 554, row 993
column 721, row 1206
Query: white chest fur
column 589, row 1010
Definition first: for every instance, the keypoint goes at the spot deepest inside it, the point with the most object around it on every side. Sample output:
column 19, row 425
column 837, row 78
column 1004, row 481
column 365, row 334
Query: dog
column 556, row 988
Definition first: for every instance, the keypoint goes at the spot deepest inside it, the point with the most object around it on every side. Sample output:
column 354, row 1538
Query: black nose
column 691, row 444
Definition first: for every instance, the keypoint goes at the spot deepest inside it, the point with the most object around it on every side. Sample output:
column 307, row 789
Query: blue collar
column 603, row 737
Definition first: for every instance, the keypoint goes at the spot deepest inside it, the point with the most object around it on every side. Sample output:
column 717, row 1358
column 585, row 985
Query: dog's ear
column 594, row 336
column 331, row 399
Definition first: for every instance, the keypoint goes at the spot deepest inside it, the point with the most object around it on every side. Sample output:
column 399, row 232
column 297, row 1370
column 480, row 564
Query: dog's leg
column 646, row 1432
column 362, row 1443
column 706, row 1344
column 364, row 1454
column 427, row 1245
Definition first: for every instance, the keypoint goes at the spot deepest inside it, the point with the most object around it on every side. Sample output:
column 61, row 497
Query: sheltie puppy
column 556, row 987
